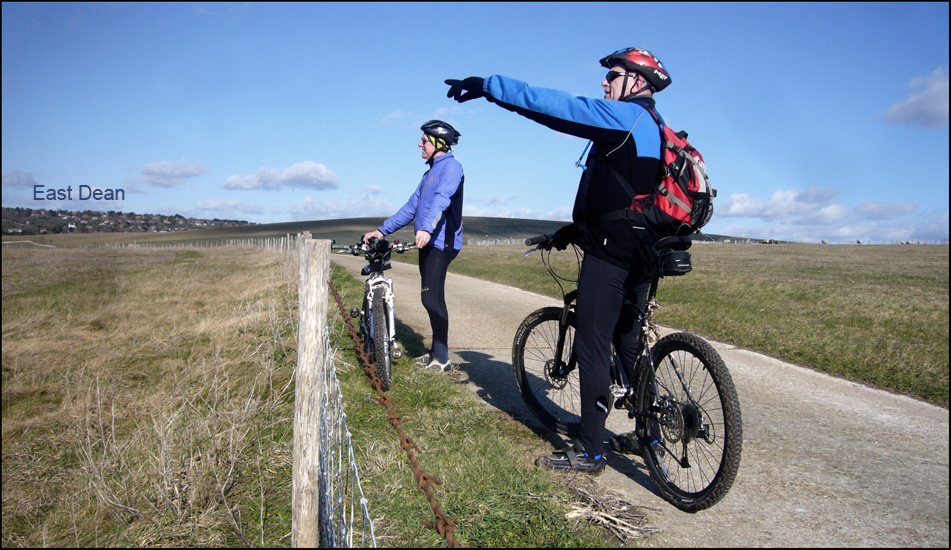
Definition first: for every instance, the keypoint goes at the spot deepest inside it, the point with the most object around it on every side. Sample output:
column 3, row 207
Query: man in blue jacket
column 624, row 161
column 436, row 207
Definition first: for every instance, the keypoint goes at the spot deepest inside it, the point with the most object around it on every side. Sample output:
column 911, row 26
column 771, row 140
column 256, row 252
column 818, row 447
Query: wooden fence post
column 313, row 278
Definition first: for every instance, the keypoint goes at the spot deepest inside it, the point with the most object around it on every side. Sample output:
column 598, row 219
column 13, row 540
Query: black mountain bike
column 680, row 394
column 378, row 317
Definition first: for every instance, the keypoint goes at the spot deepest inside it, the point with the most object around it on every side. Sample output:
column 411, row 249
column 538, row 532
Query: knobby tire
column 556, row 403
column 694, row 415
column 380, row 337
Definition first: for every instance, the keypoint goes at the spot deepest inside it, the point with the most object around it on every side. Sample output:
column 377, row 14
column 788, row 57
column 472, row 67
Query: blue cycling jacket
column 436, row 205
column 626, row 139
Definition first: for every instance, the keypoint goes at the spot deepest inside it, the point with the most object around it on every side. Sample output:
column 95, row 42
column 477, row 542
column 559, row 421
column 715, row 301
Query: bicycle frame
column 624, row 378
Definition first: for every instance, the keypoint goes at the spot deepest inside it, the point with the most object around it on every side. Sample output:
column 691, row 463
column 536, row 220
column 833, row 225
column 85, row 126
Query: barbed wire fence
column 326, row 490
column 341, row 492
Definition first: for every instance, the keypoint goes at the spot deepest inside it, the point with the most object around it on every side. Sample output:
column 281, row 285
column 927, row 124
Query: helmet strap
column 637, row 92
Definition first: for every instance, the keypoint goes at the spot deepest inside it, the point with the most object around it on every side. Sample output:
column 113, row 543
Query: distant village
column 30, row 221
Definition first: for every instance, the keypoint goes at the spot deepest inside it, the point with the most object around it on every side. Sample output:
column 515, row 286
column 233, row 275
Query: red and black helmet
column 641, row 61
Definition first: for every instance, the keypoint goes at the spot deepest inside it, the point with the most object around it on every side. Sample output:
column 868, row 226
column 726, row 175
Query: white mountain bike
column 378, row 317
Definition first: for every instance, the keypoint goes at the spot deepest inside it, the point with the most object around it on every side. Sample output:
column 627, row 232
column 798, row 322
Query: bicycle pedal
column 354, row 312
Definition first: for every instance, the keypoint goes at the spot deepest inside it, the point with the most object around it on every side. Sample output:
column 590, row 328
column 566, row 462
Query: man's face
column 614, row 87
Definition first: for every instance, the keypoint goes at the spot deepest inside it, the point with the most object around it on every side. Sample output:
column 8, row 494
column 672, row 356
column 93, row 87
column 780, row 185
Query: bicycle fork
column 562, row 368
column 384, row 285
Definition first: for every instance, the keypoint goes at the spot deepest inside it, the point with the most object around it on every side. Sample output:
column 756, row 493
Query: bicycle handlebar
column 537, row 240
column 365, row 248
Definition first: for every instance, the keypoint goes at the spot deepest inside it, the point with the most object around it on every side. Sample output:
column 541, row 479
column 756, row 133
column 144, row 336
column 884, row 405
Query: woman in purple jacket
column 436, row 207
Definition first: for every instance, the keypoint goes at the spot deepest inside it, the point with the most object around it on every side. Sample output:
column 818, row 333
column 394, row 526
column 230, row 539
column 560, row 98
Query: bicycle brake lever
column 530, row 250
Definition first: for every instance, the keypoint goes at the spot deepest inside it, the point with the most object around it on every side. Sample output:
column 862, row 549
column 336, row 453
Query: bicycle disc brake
column 671, row 420
column 556, row 382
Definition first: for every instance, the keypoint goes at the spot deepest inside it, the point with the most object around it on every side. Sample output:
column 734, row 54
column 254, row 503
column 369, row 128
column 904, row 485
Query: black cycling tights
column 610, row 301
column 433, row 265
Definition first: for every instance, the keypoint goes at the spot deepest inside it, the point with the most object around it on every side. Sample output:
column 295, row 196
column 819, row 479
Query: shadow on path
column 494, row 382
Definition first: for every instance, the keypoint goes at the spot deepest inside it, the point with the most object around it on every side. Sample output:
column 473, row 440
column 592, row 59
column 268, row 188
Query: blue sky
column 816, row 121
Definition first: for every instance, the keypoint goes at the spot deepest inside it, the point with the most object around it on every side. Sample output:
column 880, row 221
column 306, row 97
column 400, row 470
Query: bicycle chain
column 444, row 525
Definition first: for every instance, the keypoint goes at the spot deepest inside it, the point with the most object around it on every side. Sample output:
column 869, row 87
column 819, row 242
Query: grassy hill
column 344, row 231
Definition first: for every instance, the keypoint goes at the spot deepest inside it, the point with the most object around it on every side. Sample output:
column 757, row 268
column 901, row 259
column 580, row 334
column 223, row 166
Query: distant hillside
column 42, row 221
column 474, row 228
column 124, row 228
column 350, row 230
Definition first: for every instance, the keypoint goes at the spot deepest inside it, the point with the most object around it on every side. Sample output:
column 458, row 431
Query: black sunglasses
column 614, row 74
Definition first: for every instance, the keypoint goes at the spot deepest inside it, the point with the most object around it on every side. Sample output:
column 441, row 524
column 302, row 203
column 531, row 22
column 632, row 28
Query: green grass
column 873, row 314
column 483, row 458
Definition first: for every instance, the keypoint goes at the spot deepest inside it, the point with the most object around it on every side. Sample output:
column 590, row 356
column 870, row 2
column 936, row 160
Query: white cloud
column 337, row 208
column 500, row 212
column 813, row 215
column 220, row 205
column 884, row 210
column 782, row 206
column 562, row 213
column 498, row 206
column 927, row 104
column 18, row 179
column 169, row 174
column 307, row 174
column 491, row 200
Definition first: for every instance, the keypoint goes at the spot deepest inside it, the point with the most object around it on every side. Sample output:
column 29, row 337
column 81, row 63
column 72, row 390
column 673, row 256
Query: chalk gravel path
column 826, row 462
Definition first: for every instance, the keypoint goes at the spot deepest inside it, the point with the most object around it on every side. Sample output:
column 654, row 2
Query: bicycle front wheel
column 693, row 435
column 554, row 398
column 380, row 337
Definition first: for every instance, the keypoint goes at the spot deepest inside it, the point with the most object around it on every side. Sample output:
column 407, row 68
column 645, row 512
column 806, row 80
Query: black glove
column 472, row 86
column 565, row 236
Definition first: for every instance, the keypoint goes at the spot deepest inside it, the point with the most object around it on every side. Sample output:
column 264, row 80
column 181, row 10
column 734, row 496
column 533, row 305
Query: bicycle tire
column 556, row 403
column 381, row 341
column 695, row 416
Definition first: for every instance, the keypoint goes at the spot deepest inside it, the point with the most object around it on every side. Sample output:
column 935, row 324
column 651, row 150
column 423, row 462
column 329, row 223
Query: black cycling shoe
column 573, row 460
column 626, row 444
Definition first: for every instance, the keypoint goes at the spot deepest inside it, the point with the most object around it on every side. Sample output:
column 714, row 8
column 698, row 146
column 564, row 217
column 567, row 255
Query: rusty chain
column 443, row 524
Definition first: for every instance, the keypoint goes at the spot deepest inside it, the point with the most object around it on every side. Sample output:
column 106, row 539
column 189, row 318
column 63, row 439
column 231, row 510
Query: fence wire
column 339, row 478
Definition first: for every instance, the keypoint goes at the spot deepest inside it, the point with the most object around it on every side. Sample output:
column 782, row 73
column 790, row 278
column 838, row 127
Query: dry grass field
column 148, row 400
column 147, row 389
column 147, row 395
column 874, row 314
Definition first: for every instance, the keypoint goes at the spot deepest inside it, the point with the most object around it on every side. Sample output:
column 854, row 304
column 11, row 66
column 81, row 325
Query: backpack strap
column 663, row 144
column 625, row 213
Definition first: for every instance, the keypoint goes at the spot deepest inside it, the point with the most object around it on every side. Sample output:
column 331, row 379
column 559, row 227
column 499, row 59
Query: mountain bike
column 378, row 317
column 680, row 394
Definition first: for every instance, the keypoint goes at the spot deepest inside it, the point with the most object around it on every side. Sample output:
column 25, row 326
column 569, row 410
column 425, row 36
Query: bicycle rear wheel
column 554, row 400
column 693, row 437
column 380, row 341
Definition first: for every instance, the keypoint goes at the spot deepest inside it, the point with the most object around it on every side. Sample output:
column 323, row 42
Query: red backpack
column 683, row 199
